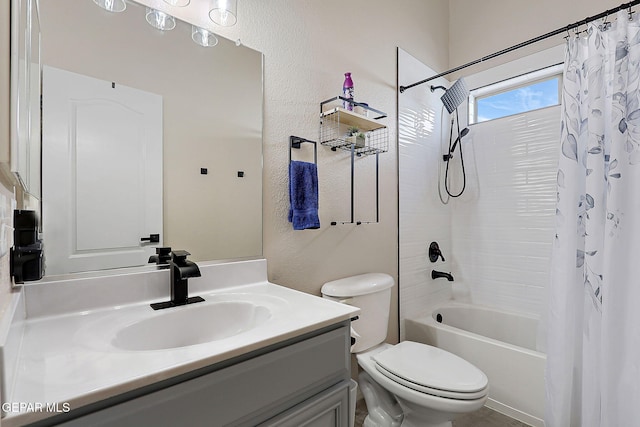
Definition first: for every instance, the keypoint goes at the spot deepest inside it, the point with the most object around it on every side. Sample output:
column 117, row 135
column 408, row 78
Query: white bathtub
column 501, row 344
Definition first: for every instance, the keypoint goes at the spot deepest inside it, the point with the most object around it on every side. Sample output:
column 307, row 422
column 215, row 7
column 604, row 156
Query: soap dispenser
column 27, row 253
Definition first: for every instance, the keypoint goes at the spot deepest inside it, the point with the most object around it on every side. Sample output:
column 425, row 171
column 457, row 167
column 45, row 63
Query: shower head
column 463, row 133
column 455, row 95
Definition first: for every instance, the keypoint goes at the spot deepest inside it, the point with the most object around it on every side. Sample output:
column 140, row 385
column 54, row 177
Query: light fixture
column 224, row 12
column 160, row 20
column 178, row 3
column 165, row 22
column 112, row 5
column 203, row 37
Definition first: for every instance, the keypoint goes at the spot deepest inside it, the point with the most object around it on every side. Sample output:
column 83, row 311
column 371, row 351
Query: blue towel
column 303, row 195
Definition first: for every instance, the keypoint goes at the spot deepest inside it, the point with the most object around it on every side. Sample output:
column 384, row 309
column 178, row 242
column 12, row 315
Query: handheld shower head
column 463, row 133
column 449, row 156
column 455, row 95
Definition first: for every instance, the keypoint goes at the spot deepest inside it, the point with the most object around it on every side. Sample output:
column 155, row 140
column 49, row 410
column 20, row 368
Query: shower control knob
column 434, row 252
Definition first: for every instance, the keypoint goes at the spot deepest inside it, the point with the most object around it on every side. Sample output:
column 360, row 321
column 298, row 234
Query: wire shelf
column 336, row 125
column 344, row 129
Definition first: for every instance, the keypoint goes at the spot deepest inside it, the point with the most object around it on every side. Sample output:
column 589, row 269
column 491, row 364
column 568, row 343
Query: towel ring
column 296, row 141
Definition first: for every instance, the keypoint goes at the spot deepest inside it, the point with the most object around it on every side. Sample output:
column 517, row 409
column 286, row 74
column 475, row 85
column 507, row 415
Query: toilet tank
column 371, row 293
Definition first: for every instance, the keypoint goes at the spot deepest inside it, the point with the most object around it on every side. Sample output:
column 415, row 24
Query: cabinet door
column 327, row 409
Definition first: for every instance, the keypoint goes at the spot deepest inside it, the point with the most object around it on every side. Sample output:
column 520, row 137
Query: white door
column 101, row 173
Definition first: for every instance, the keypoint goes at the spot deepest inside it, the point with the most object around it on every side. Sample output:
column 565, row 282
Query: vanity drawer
column 243, row 394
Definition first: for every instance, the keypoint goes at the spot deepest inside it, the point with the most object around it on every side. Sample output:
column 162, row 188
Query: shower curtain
column 593, row 346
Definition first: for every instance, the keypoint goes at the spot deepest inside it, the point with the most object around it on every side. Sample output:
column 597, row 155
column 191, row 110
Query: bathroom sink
column 190, row 325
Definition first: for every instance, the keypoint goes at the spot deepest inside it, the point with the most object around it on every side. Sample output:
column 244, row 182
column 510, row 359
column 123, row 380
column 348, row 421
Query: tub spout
column 437, row 274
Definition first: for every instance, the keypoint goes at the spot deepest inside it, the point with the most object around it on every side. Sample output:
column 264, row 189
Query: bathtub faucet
column 437, row 274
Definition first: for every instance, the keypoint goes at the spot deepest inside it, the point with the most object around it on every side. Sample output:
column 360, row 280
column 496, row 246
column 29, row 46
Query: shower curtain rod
column 527, row 43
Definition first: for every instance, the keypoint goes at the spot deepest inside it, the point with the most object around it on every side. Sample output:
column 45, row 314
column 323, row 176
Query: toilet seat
column 431, row 370
column 408, row 394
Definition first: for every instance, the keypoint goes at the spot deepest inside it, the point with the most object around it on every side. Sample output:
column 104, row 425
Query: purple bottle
column 347, row 91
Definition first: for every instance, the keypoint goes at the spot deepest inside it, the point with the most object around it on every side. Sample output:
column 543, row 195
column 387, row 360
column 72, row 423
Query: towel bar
column 296, row 141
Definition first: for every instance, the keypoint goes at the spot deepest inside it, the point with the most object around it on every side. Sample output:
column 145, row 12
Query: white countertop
column 70, row 357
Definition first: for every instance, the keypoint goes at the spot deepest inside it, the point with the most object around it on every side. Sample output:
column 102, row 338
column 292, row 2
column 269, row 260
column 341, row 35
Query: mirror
column 210, row 126
column 25, row 95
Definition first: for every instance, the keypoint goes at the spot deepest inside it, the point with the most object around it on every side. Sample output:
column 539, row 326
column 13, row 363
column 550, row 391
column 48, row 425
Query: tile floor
column 485, row 417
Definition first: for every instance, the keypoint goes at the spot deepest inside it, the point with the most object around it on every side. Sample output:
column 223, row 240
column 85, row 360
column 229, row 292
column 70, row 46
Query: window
column 520, row 94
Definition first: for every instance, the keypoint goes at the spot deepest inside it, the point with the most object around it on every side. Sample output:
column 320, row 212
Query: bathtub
column 501, row 343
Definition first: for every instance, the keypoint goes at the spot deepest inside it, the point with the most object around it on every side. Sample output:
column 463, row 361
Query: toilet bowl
column 408, row 384
column 431, row 386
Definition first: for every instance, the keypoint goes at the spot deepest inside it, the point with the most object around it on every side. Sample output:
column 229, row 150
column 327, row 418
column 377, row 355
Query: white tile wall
column 496, row 238
column 502, row 231
column 422, row 217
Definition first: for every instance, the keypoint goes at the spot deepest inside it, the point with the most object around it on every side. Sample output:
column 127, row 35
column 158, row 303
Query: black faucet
column 437, row 274
column 162, row 256
column 181, row 270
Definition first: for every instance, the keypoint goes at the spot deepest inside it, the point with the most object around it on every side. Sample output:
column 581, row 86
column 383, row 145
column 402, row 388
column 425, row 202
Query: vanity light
column 203, row 37
column 112, row 5
column 160, row 20
column 178, row 3
column 224, row 12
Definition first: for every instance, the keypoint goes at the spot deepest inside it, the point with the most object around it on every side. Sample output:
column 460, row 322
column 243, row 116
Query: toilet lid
column 426, row 368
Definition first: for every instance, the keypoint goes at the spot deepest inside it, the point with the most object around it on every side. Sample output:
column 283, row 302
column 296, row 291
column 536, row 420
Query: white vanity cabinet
column 301, row 382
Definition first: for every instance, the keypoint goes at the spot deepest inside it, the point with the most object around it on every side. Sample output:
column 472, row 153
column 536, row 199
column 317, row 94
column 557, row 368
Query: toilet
column 408, row 384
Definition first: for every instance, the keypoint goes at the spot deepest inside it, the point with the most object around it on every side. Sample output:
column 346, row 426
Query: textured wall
column 308, row 49
column 480, row 28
